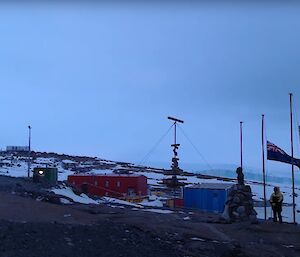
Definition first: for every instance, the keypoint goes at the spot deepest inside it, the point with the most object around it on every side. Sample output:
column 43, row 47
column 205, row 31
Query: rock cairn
column 239, row 205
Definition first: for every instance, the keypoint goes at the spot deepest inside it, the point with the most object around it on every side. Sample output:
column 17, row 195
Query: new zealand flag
column 274, row 153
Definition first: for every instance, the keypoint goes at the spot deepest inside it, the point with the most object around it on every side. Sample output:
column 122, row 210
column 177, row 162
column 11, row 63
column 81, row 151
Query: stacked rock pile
column 239, row 205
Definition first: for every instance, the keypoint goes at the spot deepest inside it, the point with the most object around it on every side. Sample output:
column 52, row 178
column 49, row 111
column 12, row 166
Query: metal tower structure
column 173, row 181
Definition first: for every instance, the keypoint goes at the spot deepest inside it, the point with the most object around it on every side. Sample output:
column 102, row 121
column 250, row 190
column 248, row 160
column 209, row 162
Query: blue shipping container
column 209, row 197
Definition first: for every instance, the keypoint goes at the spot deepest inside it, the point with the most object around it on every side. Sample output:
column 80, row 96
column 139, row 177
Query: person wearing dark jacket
column 276, row 200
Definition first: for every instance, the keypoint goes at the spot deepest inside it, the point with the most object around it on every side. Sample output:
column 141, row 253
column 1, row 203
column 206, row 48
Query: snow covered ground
column 101, row 172
column 287, row 213
column 17, row 167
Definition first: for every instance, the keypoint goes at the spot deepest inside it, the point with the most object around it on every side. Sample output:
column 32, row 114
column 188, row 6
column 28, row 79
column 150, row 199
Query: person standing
column 276, row 200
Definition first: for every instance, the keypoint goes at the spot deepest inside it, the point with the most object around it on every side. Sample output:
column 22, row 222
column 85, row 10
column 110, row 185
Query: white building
column 17, row 148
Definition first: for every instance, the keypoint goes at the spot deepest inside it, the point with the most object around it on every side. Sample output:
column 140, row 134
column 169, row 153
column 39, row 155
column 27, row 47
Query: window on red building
column 106, row 183
column 118, row 183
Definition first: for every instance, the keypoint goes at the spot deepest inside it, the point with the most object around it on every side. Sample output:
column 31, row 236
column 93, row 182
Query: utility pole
column 29, row 151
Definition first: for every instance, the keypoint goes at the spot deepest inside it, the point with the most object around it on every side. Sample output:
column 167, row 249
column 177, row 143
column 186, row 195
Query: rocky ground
column 33, row 226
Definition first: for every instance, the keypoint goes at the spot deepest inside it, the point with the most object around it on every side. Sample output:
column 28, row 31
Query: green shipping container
column 45, row 175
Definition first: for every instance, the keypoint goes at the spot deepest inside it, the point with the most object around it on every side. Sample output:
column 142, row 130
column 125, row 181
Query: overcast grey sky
column 100, row 79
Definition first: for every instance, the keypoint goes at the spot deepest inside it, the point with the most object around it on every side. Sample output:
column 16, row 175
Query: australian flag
column 274, row 153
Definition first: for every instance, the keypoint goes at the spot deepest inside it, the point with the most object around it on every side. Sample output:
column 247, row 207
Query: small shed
column 45, row 175
column 208, row 197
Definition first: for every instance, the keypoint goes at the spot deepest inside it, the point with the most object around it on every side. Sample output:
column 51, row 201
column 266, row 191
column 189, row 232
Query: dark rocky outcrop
column 239, row 205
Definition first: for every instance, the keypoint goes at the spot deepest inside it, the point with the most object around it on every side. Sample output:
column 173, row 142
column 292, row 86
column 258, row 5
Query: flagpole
column 263, row 161
column 29, row 151
column 241, row 142
column 292, row 151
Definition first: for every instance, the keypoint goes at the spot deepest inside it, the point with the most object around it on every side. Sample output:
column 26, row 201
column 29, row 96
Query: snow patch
column 68, row 162
column 159, row 211
column 198, row 239
column 65, row 201
column 68, row 192
column 118, row 201
column 156, row 203
column 101, row 172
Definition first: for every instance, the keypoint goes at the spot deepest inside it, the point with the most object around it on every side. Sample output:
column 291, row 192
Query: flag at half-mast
column 274, row 153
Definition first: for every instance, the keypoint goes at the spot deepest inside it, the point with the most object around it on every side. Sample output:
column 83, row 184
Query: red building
column 119, row 186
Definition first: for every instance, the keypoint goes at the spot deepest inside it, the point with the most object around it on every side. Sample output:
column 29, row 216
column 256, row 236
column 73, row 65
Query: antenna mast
column 175, row 170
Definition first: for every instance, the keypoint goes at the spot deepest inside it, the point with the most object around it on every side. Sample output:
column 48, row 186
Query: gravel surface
column 30, row 226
